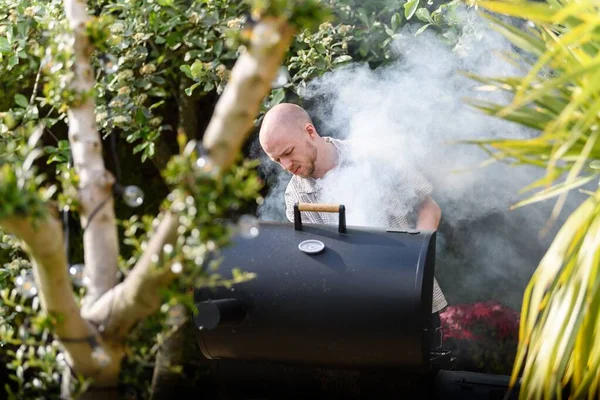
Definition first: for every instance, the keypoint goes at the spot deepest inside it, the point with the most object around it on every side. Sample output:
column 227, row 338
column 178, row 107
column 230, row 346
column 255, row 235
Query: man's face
column 294, row 152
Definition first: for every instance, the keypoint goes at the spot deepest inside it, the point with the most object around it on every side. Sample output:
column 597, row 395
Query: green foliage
column 20, row 185
column 30, row 356
column 98, row 31
column 319, row 52
column 23, row 38
column 558, row 349
column 149, row 56
column 360, row 32
column 204, row 204
column 304, row 14
column 154, row 47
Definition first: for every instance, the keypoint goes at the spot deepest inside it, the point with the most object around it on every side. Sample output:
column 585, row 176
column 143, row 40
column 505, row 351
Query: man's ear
column 310, row 129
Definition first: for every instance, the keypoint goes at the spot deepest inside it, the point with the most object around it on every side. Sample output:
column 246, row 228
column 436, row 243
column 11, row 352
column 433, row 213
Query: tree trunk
column 92, row 337
column 175, row 369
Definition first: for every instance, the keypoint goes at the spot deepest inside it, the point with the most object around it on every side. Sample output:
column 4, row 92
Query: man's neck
column 328, row 153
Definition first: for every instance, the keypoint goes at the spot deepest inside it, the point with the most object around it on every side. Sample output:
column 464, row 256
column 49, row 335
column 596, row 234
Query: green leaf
column 5, row 47
column 12, row 61
column 159, row 80
column 4, row 274
column 396, row 21
column 150, row 150
column 278, row 96
column 190, row 90
column 21, row 100
column 521, row 9
column 197, row 69
column 139, row 147
column 423, row 15
column 186, row 70
column 410, row 7
column 363, row 49
column 362, row 15
column 209, row 86
column 422, row 29
column 342, row 59
column 518, row 37
column 140, row 118
column 218, row 49
column 63, row 145
column 555, row 190
column 157, row 92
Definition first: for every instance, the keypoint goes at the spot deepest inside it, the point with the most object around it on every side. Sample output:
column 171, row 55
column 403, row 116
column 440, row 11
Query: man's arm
column 429, row 215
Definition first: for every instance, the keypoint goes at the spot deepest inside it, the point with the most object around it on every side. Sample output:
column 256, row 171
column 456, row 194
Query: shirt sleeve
column 291, row 198
column 420, row 183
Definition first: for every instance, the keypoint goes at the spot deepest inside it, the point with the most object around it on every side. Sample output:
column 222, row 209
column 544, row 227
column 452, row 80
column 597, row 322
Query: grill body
column 364, row 301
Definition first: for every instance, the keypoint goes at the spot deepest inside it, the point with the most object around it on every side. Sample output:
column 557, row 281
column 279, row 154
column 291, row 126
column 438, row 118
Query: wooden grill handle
column 332, row 208
column 339, row 208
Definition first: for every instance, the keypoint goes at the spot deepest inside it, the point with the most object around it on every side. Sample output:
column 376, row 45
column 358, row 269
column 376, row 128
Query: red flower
column 481, row 311
column 490, row 319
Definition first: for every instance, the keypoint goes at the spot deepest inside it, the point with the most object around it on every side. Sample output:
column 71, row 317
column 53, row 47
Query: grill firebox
column 334, row 312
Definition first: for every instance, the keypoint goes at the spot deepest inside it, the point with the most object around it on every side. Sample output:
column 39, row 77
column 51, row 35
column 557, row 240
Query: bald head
column 289, row 138
column 283, row 120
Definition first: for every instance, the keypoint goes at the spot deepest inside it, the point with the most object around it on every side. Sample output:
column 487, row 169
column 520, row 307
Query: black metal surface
column 364, row 301
column 245, row 380
column 464, row 385
column 221, row 312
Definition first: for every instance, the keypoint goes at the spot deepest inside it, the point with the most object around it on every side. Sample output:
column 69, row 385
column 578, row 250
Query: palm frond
column 559, row 97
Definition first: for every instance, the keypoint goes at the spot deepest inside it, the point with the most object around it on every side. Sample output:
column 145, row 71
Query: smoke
column 411, row 112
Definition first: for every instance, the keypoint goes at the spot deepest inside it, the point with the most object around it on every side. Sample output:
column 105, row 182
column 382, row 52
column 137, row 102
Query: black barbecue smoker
column 334, row 312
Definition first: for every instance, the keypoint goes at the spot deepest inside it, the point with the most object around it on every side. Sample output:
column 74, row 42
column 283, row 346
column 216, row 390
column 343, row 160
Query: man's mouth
column 296, row 170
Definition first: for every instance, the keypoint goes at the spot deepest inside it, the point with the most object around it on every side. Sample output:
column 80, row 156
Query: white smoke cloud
column 412, row 111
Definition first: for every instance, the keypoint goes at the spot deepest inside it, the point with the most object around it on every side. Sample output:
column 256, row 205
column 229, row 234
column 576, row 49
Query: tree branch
column 137, row 296
column 250, row 82
column 100, row 239
column 44, row 242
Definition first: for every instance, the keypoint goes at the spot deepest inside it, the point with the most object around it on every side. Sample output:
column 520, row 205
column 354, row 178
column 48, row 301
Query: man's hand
column 429, row 215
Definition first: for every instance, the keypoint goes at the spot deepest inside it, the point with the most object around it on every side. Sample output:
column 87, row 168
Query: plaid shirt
column 305, row 190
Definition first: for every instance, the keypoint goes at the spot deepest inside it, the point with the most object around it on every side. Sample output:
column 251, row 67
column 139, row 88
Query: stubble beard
column 313, row 159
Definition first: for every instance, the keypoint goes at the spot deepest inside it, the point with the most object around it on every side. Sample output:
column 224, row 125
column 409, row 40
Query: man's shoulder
column 340, row 144
column 354, row 149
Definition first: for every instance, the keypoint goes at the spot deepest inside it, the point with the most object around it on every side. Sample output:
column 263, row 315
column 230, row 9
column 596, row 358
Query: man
column 288, row 137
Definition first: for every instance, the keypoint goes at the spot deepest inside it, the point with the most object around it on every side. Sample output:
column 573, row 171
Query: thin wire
column 96, row 210
column 66, row 229
column 52, row 134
